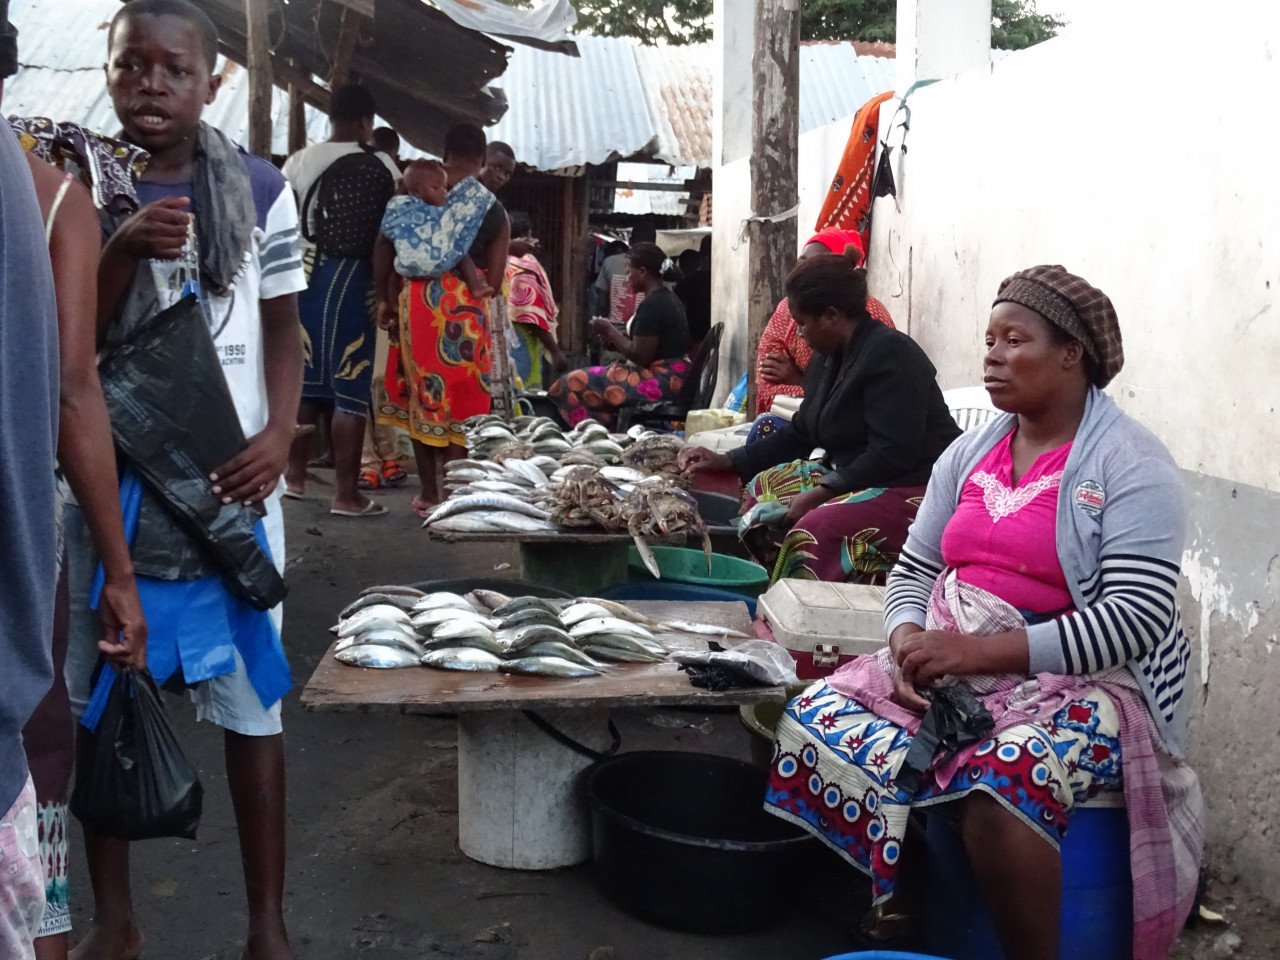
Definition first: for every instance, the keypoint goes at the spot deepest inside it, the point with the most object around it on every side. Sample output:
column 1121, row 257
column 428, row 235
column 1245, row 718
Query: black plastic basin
column 682, row 840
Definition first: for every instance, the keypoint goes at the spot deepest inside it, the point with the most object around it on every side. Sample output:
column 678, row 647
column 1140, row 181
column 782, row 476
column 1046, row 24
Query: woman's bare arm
column 85, row 450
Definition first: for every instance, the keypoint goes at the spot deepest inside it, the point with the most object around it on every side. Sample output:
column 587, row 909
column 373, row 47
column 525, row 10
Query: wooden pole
column 261, row 77
column 775, row 135
column 297, row 119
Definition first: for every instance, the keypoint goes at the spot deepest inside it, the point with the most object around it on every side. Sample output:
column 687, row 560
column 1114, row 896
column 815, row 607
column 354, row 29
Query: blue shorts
column 229, row 701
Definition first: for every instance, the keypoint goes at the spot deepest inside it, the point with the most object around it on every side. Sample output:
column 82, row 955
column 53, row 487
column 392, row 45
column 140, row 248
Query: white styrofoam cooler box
column 722, row 439
column 824, row 624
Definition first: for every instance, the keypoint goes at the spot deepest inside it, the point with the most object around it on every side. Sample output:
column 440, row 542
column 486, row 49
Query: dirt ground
column 374, row 867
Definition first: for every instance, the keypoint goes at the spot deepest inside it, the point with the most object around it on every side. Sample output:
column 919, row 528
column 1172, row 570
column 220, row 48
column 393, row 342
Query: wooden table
column 580, row 562
column 519, row 794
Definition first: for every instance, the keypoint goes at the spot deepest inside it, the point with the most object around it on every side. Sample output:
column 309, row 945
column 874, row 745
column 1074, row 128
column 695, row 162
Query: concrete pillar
column 940, row 38
column 731, row 80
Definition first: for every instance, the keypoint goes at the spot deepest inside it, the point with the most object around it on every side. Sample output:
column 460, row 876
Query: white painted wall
column 1110, row 151
column 940, row 38
column 820, row 152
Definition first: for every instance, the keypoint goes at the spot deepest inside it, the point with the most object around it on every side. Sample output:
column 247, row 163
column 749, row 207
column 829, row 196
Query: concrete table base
column 520, row 799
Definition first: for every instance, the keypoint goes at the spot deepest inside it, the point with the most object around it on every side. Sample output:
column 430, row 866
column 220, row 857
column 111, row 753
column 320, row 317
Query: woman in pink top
column 1037, row 591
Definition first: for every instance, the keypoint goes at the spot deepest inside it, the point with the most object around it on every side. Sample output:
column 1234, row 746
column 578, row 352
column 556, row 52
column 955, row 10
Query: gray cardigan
column 1122, row 518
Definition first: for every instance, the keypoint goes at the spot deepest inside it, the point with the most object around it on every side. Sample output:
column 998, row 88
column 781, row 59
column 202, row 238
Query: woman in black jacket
column 873, row 408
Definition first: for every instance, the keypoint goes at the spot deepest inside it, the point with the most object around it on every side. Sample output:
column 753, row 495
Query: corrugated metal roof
column 618, row 99
column 835, row 82
column 566, row 113
column 678, row 87
column 563, row 112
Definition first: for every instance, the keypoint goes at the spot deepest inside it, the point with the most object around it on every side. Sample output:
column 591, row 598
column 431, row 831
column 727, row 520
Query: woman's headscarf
column 1070, row 303
column 835, row 240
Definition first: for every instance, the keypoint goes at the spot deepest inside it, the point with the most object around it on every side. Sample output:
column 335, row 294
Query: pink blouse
column 1003, row 536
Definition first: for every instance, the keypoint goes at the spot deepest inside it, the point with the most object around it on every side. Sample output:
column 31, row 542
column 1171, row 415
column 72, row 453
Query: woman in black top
column 654, row 350
column 872, row 404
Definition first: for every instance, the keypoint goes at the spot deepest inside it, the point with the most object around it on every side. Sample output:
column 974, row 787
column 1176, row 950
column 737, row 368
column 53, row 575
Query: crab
column 658, row 507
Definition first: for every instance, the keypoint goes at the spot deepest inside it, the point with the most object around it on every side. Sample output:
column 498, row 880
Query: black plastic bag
column 134, row 782
column 955, row 719
column 173, row 418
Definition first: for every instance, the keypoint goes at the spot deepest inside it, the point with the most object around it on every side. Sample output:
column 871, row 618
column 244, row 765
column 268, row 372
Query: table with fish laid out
column 519, row 802
column 574, row 500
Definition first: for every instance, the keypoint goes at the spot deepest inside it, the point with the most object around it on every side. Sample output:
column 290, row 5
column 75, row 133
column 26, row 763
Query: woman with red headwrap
column 783, row 354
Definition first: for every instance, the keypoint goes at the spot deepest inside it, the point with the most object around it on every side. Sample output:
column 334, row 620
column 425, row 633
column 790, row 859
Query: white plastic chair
column 970, row 406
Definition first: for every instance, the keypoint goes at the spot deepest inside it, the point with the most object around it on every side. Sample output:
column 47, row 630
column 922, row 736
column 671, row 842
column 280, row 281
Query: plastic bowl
column 682, row 840
column 685, row 565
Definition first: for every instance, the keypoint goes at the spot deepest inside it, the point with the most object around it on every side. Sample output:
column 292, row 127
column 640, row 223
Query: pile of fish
column 531, row 476
column 590, row 443
column 397, row 626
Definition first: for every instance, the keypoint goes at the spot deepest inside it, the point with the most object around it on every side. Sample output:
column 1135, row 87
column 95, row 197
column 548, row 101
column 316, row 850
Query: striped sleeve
column 280, row 253
column 907, row 597
column 1134, row 611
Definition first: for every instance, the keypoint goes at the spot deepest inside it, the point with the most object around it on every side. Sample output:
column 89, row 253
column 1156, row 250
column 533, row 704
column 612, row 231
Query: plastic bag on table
column 173, row 419
column 133, row 781
column 753, row 662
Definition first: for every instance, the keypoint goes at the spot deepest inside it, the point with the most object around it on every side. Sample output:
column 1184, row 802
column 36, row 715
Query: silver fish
column 529, row 617
column 547, row 667
column 506, row 520
column 491, row 599
column 391, row 638
column 462, row 658
column 623, row 641
column 488, row 501
column 374, row 599
column 376, row 657
column 501, row 486
column 463, row 523
column 441, row 600
column 609, row 625
column 374, row 611
column 550, row 648
column 577, row 612
column 516, row 604
column 486, row 643
column 430, row 619
column 517, row 638
column 461, row 629
column 358, row 625
column 526, row 472
column 393, row 590
column 621, row 654
column 622, row 474
column 705, row 629
column 621, row 611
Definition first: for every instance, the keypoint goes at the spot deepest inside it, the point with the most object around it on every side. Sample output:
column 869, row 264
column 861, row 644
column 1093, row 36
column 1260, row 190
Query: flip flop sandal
column 421, row 508
column 369, row 479
column 293, row 494
column 393, row 475
column 371, row 509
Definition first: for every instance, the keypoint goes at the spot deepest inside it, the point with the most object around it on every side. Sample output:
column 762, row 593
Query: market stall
column 519, row 805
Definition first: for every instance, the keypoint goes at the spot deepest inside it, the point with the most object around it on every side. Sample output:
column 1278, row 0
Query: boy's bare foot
column 114, row 942
column 268, row 946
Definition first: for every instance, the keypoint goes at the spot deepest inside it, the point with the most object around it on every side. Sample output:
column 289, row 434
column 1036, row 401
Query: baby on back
column 427, row 181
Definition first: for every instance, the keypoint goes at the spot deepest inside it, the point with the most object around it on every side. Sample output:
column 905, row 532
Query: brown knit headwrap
column 1071, row 303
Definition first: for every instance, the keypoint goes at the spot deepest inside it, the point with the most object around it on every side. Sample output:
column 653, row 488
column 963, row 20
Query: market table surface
column 520, row 804
column 335, row 686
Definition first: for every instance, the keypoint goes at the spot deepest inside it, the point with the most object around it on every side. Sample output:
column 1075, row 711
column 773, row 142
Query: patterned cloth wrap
column 1059, row 741
column 21, row 877
column 852, row 538
column 429, row 240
